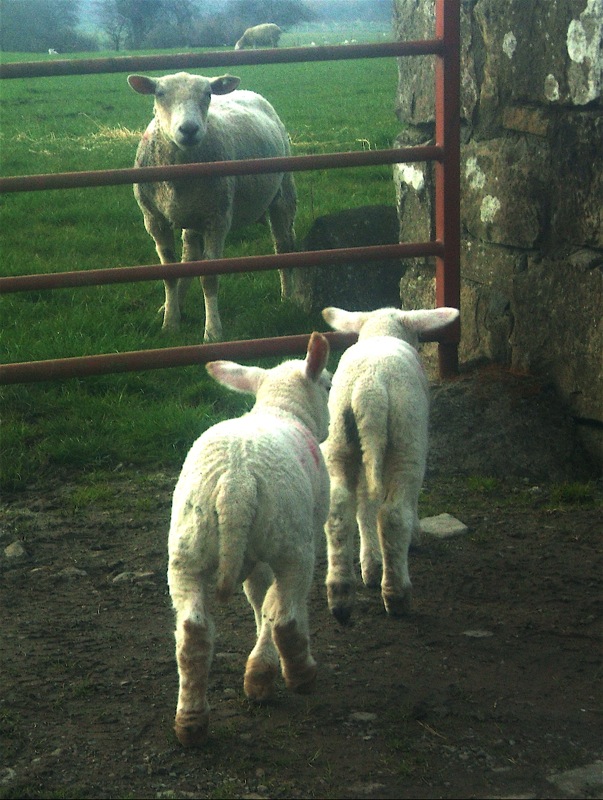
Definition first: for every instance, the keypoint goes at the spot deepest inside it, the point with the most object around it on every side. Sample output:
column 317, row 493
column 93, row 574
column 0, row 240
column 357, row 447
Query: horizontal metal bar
column 217, row 58
column 135, row 361
column 115, row 177
column 220, row 266
column 168, row 357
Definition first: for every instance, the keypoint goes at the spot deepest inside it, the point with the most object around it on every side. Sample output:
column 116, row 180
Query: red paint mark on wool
column 309, row 442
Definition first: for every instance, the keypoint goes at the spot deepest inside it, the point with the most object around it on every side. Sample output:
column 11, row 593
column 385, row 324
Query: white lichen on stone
column 509, row 44
column 489, row 208
column 411, row 176
column 474, row 174
column 584, row 37
column 551, row 88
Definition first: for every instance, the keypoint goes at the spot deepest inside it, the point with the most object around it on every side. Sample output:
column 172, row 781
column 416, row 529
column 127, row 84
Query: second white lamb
column 376, row 452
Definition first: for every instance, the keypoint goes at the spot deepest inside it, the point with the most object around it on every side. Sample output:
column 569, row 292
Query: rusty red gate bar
column 445, row 153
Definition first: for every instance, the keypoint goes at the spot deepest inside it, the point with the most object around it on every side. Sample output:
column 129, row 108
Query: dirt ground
column 488, row 687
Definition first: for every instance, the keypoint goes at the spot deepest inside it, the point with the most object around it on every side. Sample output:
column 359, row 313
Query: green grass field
column 93, row 122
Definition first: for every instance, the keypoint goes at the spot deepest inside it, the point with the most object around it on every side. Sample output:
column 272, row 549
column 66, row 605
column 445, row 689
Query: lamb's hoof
column 191, row 729
column 398, row 605
column 302, row 681
column 340, row 598
column 258, row 684
column 342, row 614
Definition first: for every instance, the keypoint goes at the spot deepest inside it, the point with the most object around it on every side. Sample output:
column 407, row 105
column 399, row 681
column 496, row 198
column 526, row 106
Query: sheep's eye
column 159, row 93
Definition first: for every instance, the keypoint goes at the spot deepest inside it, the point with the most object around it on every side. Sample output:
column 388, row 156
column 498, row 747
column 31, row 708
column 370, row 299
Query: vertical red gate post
column 447, row 175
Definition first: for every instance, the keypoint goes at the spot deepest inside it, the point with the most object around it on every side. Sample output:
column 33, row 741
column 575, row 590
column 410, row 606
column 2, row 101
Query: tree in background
column 127, row 23
column 36, row 25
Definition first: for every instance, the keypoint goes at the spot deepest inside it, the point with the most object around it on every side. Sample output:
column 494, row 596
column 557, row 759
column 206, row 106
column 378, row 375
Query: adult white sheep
column 200, row 119
column 252, row 498
column 376, row 452
column 265, row 35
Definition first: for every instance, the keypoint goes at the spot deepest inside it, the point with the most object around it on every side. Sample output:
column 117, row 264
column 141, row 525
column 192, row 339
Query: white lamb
column 201, row 119
column 265, row 35
column 251, row 499
column 376, row 452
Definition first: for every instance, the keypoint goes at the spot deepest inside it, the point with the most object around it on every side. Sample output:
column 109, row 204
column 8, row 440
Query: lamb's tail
column 236, row 505
column 370, row 406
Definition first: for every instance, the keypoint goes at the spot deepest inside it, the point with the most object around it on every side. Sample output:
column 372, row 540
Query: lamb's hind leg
column 397, row 522
column 370, row 546
column 194, row 651
column 262, row 665
column 286, row 608
column 281, row 216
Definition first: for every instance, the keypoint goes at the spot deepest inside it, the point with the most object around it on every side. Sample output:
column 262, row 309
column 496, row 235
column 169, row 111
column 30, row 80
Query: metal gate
column 445, row 247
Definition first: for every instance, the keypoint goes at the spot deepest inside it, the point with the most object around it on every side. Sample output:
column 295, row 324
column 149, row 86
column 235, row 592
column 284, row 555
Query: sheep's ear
column 317, row 355
column 347, row 321
column 425, row 320
column 224, row 84
column 142, row 84
column 236, row 376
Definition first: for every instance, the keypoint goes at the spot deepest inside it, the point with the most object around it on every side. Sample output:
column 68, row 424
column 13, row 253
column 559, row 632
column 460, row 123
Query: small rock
column 15, row 550
column 132, row 577
column 443, row 526
column 581, row 782
column 72, row 572
column 362, row 716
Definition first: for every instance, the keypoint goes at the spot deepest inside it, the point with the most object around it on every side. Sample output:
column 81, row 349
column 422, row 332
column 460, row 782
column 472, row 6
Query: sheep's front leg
column 214, row 248
column 163, row 235
column 281, row 216
column 262, row 665
column 340, row 530
column 194, row 652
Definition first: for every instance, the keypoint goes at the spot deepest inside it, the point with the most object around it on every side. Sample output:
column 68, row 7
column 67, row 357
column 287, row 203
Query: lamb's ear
column 317, row 355
column 142, row 84
column 224, row 84
column 236, row 376
column 347, row 321
column 432, row 319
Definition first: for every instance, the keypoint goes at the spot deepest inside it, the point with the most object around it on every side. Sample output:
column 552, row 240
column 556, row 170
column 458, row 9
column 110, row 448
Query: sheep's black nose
column 188, row 130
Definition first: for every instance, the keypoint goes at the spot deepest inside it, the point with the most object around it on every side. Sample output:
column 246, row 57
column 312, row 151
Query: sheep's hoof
column 170, row 327
column 258, row 684
column 191, row 729
column 398, row 605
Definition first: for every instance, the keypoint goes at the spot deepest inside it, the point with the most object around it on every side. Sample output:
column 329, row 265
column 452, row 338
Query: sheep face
column 182, row 103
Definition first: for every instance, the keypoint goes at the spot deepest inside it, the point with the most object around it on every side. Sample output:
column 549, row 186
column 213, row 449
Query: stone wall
column 531, row 189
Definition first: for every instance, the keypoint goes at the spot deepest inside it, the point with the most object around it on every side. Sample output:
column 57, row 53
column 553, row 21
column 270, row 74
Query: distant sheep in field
column 200, row 119
column 52, row 51
column 376, row 452
column 249, row 506
column 266, row 35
